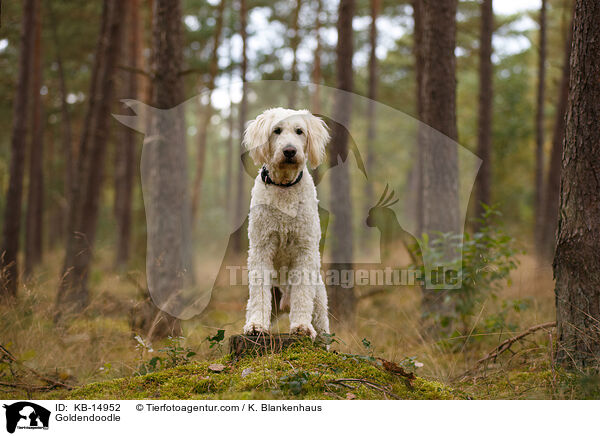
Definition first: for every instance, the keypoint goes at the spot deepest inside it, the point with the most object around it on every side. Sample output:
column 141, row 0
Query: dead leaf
column 246, row 372
column 395, row 369
column 216, row 367
column 350, row 396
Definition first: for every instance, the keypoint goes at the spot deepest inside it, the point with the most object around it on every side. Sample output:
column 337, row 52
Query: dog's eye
column 299, row 131
column 277, row 130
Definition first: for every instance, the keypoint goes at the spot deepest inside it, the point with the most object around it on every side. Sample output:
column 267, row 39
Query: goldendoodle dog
column 283, row 225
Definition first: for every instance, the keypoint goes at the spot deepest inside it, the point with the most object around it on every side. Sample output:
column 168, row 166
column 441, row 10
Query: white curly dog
column 283, row 227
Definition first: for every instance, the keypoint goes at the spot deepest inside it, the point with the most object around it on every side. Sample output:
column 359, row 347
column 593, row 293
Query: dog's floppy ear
column 256, row 138
column 317, row 138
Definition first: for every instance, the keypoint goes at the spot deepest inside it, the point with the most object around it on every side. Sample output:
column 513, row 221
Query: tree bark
column 240, row 202
column 484, row 136
column 206, row 113
column 439, row 166
column 372, row 96
column 229, row 155
column 416, row 172
column 167, row 235
column 539, row 131
column 317, row 73
column 230, row 158
column 550, row 216
column 9, row 271
column 73, row 293
column 125, row 151
column 342, row 301
column 294, row 44
column 65, row 123
column 439, row 112
column 577, row 258
column 35, row 192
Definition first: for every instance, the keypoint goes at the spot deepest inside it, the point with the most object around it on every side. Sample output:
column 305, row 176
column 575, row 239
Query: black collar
column 264, row 175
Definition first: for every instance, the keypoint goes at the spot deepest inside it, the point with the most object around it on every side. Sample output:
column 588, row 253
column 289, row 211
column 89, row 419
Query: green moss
column 536, row 384
column 302, row 371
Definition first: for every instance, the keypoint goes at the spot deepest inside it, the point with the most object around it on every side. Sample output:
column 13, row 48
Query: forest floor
column 97, row 353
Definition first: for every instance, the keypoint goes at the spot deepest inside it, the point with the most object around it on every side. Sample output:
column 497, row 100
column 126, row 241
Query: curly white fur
column 283, row 227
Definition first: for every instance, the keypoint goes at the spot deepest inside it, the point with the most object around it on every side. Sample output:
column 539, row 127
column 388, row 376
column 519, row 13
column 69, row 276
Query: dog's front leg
column 302, row 297
column 260, row 274
column 320, row 317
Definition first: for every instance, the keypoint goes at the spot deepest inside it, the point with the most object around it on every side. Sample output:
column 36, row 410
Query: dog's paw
column 303, row 330
column 253, row 328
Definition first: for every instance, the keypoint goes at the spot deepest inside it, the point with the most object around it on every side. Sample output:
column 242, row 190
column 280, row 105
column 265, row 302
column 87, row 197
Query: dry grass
column 99, row 345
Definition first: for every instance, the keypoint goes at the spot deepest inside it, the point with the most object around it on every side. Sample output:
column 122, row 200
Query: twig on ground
column 504, row 346
column 507, row 343
column 27, row 387
column 51, row 382
column 368, row 383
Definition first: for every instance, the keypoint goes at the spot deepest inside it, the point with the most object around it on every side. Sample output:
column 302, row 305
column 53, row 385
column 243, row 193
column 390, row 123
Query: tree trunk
column 229, row 155
column 206, row 112
column 484, row 136
column 230, row 158
column 73, row 293
column 342, row 301
column 317, row 74
column 166, row 162
column 294, row 43
column 372, row 96
column 416, row 173
column 577, row 259
column 439, row 109
column 125, row 151
column 9, row 271
column 240, row 203
column 539, row 131
column 550, row 216
column 35, row 194
column 439, row 159
column 65, row 122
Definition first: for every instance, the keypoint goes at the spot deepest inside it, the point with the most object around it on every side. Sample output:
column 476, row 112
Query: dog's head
column 286, row 140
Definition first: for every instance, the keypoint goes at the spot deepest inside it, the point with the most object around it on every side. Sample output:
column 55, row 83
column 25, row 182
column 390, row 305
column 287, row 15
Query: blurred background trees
column 455, row 65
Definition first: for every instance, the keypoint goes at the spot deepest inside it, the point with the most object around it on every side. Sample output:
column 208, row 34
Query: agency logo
column 197, row 222
column 26, row 415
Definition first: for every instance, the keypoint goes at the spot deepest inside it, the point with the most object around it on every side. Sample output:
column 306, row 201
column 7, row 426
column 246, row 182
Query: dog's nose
column 289, row 151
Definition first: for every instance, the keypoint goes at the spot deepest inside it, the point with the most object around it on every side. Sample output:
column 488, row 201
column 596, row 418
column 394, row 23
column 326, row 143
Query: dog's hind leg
column 320, row 317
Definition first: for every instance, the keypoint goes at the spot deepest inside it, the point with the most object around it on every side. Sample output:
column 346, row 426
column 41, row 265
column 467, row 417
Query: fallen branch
column 26, row 387
column 504, row 346
column 507, row 343
column 51, row 382
column 368, row 383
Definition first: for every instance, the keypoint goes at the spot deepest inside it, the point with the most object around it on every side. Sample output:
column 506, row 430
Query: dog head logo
column 26, row 415
column 181, row 277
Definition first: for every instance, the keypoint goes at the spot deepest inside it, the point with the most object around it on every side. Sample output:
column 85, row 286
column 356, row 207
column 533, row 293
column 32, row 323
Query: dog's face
column 285, row 140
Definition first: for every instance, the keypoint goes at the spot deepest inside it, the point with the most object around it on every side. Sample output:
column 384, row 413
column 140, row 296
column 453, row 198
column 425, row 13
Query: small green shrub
column 173, row 354
column 217, row 340
column 484, row 260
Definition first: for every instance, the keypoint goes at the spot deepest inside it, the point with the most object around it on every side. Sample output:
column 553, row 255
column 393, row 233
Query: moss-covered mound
column 300, row 372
